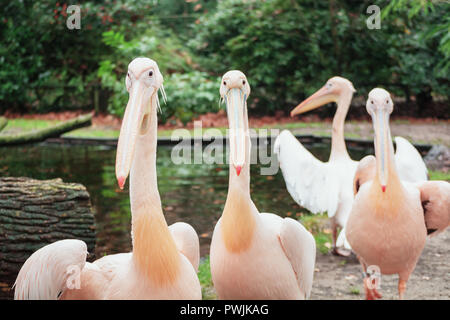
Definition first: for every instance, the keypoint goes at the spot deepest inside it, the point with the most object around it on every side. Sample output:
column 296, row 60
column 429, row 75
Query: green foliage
column 434, row 19
column 118, row 97
column 181, row 16
column 204, row 272
column 439, row 175
column 45, row 65
column 288, row 49
column 354, row 290
column 204, row 275
column 316, row 224
column 20, row 58
column 189, row 92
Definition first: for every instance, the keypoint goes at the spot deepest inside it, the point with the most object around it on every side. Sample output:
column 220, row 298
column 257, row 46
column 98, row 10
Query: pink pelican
column 391, row 218
column 164, row 260
column 255, row 255
column 328, row 186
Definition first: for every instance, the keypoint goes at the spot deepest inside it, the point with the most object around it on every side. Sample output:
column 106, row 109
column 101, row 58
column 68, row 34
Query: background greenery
column 287, row 48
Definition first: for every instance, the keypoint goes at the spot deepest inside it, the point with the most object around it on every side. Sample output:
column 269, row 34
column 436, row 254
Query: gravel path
column 340, row 278
column 437, row 132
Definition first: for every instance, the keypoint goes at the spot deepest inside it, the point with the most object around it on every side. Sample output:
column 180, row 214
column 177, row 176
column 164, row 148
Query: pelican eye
column 243, row 82
column 150, row 73
column 224, row 83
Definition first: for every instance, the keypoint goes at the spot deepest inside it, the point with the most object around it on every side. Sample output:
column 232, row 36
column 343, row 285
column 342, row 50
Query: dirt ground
column 417, row 130
column 428, row 132
column 341, row 278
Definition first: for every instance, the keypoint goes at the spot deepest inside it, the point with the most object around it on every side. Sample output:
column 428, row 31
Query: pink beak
column 238, row 170
column 121, row 182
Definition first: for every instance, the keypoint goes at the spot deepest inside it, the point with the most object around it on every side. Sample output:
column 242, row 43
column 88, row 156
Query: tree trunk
column 424, row 101
column 43, row 134
column 34, row 213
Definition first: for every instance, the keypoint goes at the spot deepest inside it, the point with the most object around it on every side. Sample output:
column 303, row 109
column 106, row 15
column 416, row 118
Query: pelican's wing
column 310, row 182
column 300, row 248
column 409, row 162
column 342, row 241
column 46, row 272
column 365, row 171
column 187, row 242
column 435, row 197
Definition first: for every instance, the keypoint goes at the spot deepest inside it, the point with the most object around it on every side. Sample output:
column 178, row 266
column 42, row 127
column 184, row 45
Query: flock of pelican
column 383, row 204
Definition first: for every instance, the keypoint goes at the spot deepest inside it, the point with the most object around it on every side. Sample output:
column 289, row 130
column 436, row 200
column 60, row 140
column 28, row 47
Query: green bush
column 189, row 92
column 44, row 65
column 288, row 49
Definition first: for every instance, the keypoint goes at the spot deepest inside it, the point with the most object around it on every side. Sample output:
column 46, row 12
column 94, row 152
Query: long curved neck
column 154, row 250
column 239, row 214
column 338, row 148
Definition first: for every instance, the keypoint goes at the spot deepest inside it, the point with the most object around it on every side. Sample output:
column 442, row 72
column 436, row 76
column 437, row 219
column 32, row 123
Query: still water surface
column 192, row 193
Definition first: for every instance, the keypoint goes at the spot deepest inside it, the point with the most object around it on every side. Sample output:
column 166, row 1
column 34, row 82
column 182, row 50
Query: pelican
column 255, row 255
column 390, row 219
column 328, row 186
column 164, row 260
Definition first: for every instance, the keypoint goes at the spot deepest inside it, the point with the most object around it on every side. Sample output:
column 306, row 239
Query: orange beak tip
column 121, row 182
column 383, row 188
column 238, row 170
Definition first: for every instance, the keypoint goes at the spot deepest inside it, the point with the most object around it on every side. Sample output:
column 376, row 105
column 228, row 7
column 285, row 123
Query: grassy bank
column 426, row 132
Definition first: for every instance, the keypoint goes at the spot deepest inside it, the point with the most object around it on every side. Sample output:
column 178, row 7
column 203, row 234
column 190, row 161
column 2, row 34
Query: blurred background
column 287, row 48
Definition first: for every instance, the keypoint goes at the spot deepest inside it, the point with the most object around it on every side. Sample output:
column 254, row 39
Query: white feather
column 328, row 186
column 163, row 93
column 409, row 162
column 300, row 248
column 312, row 183
column 45, row 273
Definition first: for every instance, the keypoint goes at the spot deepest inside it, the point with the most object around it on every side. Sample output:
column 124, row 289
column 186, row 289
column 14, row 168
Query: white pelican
column 164, row 259
column 327, row 186
column 390, row 218
column 255, row 255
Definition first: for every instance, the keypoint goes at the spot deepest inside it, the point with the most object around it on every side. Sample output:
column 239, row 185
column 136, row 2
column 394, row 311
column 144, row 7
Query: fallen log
column 50, row 132
column 3, row 123
column 34, row 213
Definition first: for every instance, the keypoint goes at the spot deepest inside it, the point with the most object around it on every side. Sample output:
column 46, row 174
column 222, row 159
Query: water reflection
column 192, row 193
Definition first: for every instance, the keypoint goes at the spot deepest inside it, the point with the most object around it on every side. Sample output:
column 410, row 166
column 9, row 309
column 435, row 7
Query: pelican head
column 379, row 105
column 330, row 92
column 234, row 90
column 143, row 81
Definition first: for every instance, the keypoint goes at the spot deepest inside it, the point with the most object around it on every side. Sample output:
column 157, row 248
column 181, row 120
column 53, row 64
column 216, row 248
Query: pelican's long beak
column 319, row 98
column 235, row 100
column 380, row 119
column 138, row 105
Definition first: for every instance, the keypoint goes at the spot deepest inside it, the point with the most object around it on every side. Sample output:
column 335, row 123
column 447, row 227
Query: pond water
column 192, row 193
